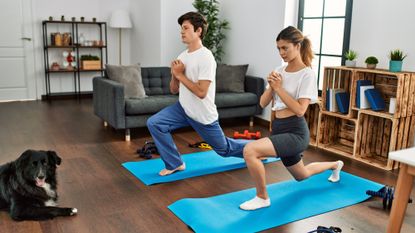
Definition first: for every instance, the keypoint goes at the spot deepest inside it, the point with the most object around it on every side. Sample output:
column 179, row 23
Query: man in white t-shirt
column 193, row 77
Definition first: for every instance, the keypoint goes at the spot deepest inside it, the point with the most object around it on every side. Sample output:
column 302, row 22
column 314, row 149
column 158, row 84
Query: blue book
column 328, row 100
column 360, row 83
column 343, row 100
column 375, row 99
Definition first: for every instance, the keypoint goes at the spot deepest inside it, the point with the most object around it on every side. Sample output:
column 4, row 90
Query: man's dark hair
column 196, row 19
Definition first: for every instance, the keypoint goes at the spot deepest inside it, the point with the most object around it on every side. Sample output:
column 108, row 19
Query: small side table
column 403, row 188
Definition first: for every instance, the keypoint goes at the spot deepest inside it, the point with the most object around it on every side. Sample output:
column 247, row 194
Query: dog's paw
column 73, row 211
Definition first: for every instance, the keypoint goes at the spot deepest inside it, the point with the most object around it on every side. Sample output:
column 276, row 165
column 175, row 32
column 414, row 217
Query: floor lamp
column 120, row 19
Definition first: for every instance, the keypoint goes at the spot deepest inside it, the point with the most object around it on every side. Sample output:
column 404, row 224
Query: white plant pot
column 350, row 63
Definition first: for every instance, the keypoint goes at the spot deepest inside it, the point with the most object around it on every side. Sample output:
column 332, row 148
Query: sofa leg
column 127, row 135
column 251, row 121
column 105, row 124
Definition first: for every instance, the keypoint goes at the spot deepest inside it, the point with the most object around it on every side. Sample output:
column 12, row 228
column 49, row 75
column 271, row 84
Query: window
column 327, row 24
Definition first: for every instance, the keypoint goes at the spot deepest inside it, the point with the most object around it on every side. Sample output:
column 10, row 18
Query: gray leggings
column 290, row 137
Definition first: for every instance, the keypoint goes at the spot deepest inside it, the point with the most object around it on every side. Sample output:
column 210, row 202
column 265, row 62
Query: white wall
column 145, row 38
column 101, row 9
column 377, row 30
column 251, row 40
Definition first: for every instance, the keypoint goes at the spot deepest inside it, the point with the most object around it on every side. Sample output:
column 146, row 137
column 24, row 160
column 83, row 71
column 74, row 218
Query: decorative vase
column 81, row 39
column 395, row 66
column 351, row 63
column 371, row 66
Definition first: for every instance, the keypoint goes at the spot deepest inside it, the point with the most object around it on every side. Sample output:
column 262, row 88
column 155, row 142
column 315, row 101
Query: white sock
column 335, row 175
column 255, row 203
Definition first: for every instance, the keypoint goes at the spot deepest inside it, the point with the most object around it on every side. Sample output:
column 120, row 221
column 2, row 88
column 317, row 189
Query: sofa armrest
column 255, row 85
column 109, row 102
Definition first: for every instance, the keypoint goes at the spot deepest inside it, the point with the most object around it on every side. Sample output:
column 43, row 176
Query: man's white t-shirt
column 299, row 84
column 199, row 65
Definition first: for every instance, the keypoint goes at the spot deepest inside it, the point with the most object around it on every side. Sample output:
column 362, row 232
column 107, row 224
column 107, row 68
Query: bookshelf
column 74, row 28
column 363, row 134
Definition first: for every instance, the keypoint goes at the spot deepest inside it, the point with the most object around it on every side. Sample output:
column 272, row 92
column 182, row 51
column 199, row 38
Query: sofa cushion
column 129, row 77
column 225, row 100
column 156, row 80
column 230, row 78
column 149, row 105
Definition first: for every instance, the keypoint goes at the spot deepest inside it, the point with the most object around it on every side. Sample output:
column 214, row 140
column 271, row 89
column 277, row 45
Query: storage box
column 91, row 65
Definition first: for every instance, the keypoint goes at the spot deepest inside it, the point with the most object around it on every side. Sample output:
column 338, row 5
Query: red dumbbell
column 247, row 135
column 256, row 135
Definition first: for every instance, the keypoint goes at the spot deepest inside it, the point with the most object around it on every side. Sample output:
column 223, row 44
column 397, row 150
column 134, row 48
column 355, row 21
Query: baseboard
column 67, row 95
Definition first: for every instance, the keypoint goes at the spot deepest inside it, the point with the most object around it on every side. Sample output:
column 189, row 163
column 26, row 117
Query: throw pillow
column 230, row 78
column 129, row 77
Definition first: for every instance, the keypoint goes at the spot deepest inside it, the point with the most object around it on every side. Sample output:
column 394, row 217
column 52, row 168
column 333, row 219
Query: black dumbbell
column 321, row 229
column 387, row 195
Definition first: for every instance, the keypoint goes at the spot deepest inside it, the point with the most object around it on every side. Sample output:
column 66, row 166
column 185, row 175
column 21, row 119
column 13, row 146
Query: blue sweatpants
column 174, row 117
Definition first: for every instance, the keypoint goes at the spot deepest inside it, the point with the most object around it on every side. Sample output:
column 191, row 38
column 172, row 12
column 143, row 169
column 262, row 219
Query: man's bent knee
column 151, row 122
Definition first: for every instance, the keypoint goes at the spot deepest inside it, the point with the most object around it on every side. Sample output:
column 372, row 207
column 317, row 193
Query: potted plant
column 371, row 62
column 351, row 56
column 396, row 59
column 215, row 34
column 90, row 62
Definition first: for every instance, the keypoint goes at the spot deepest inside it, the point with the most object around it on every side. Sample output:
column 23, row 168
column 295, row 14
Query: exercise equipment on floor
column 197, row 164
column 247, row 135
column 201, row 145
column 321, row 229
column 387, row 195
column 290, row 201
column 148, row 150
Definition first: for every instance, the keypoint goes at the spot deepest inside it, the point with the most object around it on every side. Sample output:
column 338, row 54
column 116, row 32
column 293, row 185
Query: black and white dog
column 28, row 187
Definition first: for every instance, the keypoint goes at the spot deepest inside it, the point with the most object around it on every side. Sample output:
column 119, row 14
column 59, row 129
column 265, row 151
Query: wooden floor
column 110, row 199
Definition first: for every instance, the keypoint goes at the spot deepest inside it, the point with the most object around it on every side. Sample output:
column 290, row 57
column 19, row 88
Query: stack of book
column 368, row 97
column 337, row 100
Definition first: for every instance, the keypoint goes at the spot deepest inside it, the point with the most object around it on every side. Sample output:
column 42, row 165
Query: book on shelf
column 360, row 83
column 331, row 96
column 343, row 99
column 364, row 102
column 376, row 102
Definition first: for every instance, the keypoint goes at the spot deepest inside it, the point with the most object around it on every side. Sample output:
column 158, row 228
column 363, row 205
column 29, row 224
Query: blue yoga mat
column 197, row 164
column 290, row 201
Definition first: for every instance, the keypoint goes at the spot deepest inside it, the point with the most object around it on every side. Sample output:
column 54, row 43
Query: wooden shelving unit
column 363, row 134
column 312, row 118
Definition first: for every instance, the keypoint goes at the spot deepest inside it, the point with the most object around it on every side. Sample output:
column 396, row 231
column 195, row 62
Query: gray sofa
column 121, row 113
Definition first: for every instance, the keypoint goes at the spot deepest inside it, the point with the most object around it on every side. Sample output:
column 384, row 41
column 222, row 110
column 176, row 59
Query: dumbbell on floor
column 387, row 195
column 247, row 135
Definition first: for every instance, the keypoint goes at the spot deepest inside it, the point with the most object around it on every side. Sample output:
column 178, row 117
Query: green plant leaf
column 397, row 55
column 215, row 34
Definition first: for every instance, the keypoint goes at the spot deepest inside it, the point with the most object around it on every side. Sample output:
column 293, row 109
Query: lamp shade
column 120, row 19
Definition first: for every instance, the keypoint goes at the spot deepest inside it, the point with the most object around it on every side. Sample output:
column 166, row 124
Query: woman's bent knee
column 249, row 151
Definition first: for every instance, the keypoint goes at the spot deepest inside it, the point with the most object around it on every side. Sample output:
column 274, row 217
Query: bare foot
column 166, row 172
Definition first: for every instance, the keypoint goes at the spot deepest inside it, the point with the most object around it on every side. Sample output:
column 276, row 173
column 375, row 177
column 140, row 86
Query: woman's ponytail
column 306, row 52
